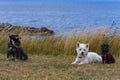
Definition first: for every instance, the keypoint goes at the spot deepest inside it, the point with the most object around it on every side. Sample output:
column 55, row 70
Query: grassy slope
column 47, row 67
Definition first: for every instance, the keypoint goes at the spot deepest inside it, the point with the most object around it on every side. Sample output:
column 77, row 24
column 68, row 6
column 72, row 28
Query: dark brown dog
column 106, row 56
column 15, row 51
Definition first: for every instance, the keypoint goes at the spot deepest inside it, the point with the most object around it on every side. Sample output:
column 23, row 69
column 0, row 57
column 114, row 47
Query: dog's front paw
column 81, row 63
column 17, row 60
column 7, row 59
column 73, row 63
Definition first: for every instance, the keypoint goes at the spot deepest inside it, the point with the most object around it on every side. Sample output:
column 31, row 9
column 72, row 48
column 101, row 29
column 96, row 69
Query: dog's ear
column 87, row 45
column 77, row 44
column 10, row 36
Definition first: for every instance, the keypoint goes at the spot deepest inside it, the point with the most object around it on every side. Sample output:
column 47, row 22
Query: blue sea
column 62, row 18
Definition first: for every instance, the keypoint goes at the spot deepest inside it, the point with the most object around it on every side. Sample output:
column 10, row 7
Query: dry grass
column 66, row 45
column 52, row 57
column 47, row 67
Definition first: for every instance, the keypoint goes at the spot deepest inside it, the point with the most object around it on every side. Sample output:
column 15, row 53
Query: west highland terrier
column 84, row 57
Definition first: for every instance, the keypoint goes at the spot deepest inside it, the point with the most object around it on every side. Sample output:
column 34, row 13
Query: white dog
column 83, row 56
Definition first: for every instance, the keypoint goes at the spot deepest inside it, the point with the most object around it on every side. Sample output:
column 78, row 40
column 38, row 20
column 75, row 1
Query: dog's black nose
column 82, row 53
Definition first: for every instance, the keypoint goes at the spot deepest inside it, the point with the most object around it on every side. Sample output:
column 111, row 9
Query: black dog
column 15, row 51
column 106, row 56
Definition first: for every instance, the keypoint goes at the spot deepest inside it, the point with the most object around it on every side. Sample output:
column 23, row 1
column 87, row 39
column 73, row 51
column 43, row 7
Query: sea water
column 62, row 18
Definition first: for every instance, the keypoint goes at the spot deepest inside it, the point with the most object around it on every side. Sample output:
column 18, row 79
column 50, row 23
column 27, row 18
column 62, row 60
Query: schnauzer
column 15, row 51
column 106, row 56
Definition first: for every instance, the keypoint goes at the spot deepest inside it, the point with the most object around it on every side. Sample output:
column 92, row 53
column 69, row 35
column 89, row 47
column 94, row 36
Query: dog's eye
column 80, row 49
column 84, row 50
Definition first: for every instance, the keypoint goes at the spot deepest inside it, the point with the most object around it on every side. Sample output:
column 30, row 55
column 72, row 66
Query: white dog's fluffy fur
column 83, row 56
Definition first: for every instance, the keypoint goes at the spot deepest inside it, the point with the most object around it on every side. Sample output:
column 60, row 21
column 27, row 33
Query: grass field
column 50, row 58
column 47, row 67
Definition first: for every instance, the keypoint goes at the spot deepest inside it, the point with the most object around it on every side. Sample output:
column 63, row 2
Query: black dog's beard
column 104, row 51
column 16, row 43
